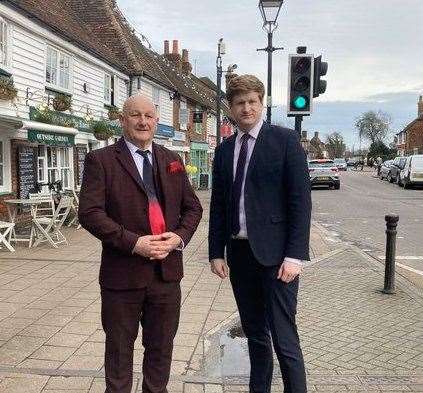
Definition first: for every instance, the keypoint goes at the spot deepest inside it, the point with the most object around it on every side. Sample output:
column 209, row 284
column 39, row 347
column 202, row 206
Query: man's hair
column 244, row 84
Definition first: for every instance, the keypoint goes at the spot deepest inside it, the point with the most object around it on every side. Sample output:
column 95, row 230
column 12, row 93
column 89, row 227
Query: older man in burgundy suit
column 136, row 198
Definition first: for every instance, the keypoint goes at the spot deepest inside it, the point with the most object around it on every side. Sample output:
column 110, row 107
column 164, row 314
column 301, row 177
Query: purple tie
column 237, row 186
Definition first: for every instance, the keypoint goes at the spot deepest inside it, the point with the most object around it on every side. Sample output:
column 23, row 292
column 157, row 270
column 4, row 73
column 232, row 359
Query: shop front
column 199, row 159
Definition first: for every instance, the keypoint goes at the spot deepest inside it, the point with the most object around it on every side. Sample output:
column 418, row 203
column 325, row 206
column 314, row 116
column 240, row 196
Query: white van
column 412, row 174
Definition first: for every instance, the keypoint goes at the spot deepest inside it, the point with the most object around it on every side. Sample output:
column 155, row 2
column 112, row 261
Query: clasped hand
column 157, row 246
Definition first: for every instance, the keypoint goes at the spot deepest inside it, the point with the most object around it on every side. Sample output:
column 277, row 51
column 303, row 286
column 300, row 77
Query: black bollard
column 391, row 235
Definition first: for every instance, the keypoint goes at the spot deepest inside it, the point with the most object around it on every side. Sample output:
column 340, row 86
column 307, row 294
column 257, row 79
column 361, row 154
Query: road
column 356, row 214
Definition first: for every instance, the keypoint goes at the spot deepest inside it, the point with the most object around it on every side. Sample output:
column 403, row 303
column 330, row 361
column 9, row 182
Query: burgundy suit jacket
column 113, row 207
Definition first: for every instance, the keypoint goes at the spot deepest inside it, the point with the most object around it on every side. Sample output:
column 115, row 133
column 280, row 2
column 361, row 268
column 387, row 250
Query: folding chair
column 5, row 233
column 46, row 207
column 47, row 229
column 74, row 209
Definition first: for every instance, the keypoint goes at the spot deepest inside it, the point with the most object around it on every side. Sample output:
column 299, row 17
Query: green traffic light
column 300, row 102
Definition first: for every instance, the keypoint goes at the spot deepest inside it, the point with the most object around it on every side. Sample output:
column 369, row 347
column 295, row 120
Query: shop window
column 5, row 46
column 58, row 69
column 5, row 182
column 53, row 165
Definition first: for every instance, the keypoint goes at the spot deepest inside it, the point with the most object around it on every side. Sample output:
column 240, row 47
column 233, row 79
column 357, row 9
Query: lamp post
column 269, row 11
column 220, row 52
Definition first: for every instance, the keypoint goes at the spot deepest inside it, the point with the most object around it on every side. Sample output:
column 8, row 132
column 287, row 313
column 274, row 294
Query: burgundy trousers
column 157, row 308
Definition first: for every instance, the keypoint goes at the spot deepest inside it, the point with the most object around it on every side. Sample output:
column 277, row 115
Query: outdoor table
column 12, row 209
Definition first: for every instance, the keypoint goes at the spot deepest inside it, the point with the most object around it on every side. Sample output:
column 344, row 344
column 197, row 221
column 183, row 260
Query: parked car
column 352, row 161
column 412, row 173
column 340, row 163
column 396, row 167
column 385, row 169
column 324, row 173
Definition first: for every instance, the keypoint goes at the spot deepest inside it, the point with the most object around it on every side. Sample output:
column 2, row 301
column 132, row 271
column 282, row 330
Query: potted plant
column 101, row 130
column 114, row 112
column 8, row 92
column 62, row 102
column 43, row 114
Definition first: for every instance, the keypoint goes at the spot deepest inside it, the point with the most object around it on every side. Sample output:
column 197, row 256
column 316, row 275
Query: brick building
column 410, row 139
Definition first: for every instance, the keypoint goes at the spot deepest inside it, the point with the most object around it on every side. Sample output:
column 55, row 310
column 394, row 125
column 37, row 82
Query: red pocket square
column 175, row 167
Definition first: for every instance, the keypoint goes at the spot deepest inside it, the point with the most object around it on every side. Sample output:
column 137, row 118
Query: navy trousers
column 267, row 307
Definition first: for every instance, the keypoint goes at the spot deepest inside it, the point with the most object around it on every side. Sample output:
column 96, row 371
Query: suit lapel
column 229, row 159
column 123, row 155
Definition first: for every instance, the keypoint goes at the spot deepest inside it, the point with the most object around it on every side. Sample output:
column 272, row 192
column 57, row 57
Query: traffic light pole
column 298, row 121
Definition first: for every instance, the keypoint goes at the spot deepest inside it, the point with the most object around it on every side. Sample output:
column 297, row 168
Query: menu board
column 27, row 170
column 81, row 152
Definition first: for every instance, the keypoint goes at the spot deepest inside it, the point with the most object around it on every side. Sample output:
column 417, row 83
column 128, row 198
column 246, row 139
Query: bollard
column 391, row 235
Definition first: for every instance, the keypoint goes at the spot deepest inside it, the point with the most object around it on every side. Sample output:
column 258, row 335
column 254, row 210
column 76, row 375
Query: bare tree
column 373, row 126
column 335, row 145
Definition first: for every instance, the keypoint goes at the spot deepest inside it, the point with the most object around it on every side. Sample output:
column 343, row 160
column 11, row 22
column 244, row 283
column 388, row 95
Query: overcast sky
column 373, row 49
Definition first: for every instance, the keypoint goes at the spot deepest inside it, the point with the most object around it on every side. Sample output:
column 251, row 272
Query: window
column 58, row 66
column 156, row 100
column 108, row 89
column 183, row 115
column 54, row 164
column 5, row 181
column 4, row 44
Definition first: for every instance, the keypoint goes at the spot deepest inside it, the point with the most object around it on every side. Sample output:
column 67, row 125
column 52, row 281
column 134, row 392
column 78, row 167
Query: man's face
column 247, row 110
column 139, row 121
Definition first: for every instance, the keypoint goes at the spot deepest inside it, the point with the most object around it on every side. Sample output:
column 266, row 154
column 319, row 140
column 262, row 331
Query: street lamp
column 269, row 11
column 220, row 51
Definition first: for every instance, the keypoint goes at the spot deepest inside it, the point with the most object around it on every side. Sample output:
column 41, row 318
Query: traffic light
column 300, row 84
column 320, row 69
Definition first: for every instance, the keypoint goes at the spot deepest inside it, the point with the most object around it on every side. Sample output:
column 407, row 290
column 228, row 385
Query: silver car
column 340, row 163
column 324, row 173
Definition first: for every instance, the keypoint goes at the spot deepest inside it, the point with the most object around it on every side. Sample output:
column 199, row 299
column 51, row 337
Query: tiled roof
column 98, row 26
column 64, row 18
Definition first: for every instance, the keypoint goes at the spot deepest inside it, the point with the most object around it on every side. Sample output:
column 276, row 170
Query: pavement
column 354, row 337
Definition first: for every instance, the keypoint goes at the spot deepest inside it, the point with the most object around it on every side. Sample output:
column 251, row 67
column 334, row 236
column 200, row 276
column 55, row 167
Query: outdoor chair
column 48, row 229
column 46, row 207
column 5, row 233
column 74, row 209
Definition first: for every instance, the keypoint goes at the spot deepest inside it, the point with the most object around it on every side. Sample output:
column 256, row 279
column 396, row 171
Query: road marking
column 405, row 257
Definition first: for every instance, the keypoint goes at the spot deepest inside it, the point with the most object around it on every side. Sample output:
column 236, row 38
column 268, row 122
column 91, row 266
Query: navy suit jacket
column 277, row 197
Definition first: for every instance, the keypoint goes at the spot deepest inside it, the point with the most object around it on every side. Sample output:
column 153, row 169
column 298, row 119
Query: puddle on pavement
column 227, row 354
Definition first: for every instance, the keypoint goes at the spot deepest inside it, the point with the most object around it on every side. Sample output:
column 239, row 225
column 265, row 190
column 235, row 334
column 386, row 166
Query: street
column 356, row 214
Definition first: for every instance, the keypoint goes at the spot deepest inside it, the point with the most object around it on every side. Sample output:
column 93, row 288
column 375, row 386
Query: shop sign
column 164, row 130
column 179, row 136
column 47, row 138
column 199, row 146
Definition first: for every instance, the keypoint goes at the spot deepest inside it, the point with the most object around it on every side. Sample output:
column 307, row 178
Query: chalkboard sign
column 27, row 170
column 204, row 181
column 81, row 152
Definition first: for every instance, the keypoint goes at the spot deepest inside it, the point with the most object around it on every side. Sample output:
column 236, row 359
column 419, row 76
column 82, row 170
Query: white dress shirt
column 138, row 158
column 253, row 133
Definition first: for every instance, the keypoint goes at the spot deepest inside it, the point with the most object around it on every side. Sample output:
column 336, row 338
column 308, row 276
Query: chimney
column 174, row 57
column 420, row 107
column 175, row 49
column 186, row 65
column 304, row 135
column 316, row 135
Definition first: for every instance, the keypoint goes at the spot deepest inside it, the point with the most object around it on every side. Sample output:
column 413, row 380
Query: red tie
column 155, row 214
